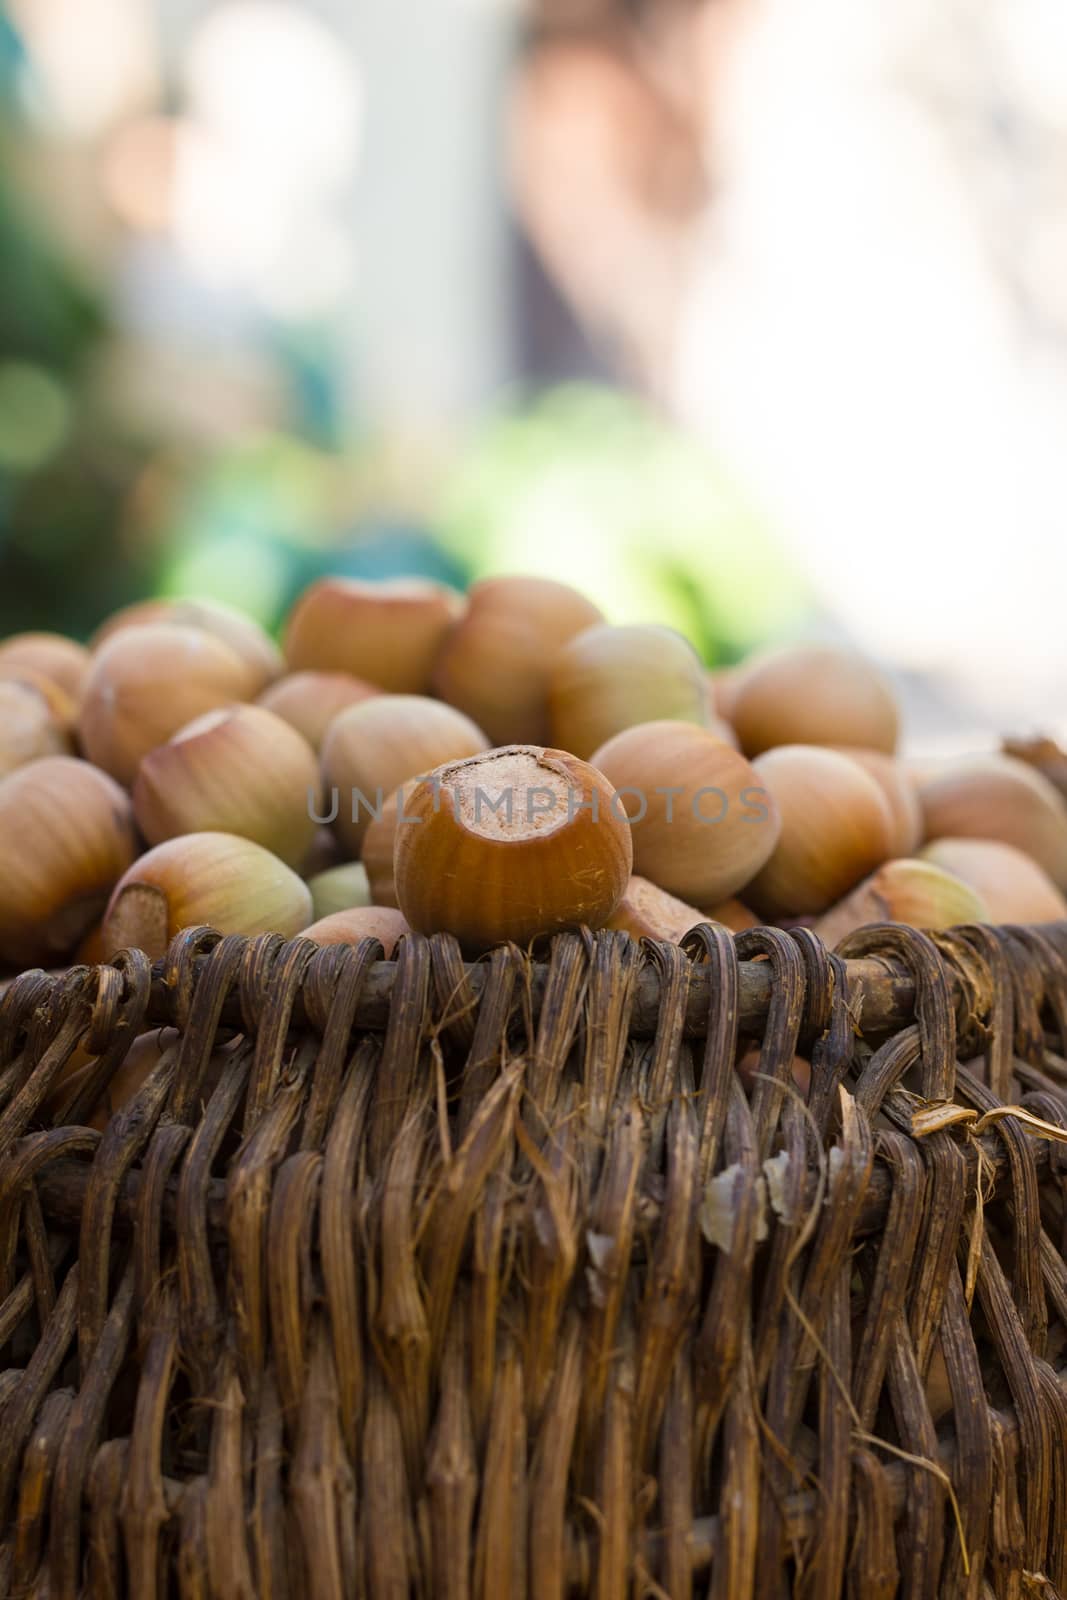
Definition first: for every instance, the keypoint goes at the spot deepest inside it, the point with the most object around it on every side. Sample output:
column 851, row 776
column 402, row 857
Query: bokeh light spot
column 34, row 416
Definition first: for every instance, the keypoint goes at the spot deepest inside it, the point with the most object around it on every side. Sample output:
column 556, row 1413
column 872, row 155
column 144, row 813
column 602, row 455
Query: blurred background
column 748, row 316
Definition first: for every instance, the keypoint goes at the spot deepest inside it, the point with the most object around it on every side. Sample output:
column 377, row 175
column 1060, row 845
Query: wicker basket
column 495, row 1281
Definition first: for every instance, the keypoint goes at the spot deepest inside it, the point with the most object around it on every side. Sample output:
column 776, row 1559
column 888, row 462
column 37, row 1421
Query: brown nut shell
column 732, row 914
column 215, row 879
column 703, row 822
column 913, row 892
column 813, row 694
column 495, row 663
column 147, row 682
column 836, row 828
column 378, row 847
column 648, row 912
column 388, row 633
column 1013, row 886
column 383, row 923
column 608, row 679
column 374, row 747
column 28, row 729
column 516, row 843
column 66, row 837
column 309, row 701
column 237, row 770
column 999, row 797
column 60, row 660
column 901, row 792
column 235, row 629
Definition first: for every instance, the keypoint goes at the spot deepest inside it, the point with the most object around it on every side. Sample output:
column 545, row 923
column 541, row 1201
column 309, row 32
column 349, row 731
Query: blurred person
column 612, row 159
column 835, row 245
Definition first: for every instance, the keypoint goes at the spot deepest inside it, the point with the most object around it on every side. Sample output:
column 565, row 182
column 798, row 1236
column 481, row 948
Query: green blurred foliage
column 253, row 526
column 590, row 485
column 63, row 479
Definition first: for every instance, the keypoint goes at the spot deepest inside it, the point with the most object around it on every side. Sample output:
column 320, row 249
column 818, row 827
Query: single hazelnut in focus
column 512, row 844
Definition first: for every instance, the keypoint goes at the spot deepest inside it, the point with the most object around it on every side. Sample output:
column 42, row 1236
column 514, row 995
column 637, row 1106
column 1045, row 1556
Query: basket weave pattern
column 422, row 1279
